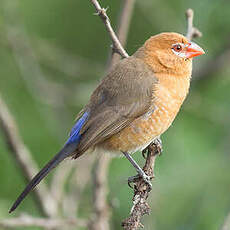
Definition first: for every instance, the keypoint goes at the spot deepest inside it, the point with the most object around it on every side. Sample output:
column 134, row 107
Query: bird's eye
column 177, row 47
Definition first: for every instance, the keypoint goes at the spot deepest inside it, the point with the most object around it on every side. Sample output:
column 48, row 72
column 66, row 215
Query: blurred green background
column 52, row 55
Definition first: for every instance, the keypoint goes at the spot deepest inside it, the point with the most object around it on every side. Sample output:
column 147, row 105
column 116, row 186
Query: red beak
column 194, row 50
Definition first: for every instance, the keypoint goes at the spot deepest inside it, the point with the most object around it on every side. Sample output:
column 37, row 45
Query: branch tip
column 192, row 32
column 189, row 13
column 101, row 12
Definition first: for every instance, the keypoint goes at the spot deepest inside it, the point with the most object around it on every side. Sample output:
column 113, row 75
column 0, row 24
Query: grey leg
column 139, row 170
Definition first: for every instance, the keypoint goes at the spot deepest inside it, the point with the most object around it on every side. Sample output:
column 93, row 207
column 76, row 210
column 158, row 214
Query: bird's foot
column 154, row 147
column 134, row 179
column 157, row 143
column 140, row 171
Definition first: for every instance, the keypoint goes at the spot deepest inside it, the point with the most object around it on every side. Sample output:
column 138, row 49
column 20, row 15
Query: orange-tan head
column 170, row 53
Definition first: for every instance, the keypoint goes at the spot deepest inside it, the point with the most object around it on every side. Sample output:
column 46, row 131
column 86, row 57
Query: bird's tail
column 67, row 150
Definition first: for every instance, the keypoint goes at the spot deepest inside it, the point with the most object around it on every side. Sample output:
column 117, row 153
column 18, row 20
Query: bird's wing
column 125, row 94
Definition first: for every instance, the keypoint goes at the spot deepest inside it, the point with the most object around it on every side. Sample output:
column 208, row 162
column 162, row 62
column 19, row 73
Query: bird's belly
column 169, row 95
column 145, row 129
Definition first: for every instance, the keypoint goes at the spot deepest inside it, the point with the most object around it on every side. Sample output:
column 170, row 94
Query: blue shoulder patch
column 75, row 132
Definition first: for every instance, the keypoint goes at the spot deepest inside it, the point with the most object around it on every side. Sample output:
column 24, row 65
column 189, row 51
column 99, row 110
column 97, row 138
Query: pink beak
column 193, row 50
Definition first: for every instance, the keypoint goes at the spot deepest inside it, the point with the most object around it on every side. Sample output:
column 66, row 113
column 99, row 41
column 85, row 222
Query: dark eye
column 177, row 47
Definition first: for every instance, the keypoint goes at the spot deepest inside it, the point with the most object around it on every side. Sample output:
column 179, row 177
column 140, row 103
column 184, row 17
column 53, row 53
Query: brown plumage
column 141, row 97
column 134, row 104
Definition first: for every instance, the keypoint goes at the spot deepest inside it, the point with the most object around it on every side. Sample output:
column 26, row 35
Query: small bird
column 133, row 105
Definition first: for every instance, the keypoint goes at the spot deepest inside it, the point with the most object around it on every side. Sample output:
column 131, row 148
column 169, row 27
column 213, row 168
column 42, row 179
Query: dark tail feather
column 65, row 152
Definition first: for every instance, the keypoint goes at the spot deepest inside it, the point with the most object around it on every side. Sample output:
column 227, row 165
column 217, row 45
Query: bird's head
column 171, row 53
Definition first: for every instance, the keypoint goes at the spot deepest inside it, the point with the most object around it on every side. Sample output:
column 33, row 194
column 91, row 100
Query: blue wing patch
column 75, row 132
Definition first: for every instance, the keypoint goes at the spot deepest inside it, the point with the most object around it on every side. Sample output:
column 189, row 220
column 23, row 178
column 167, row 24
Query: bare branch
column 57, row 186
column 124, row 22
column 23, row 157
column 101, row 12
column 100, row 220
column 226, row 225
column 41, row 89
column 192, row 32
column 29, row 221
column 142, row 190
column 76, row 188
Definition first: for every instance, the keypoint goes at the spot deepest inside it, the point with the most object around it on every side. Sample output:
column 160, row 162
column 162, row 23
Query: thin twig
column 142, row 190
column 100, row 220
column 226, row 225
column 101, row 12
column 123, row 29
column 41, row 89
column 192, row 32
column 30, row 221
column 59, row 179
column 78, row 181
column 23, row 157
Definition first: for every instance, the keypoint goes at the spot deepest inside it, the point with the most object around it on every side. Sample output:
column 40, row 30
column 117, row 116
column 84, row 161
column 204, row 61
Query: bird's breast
column 168, row 97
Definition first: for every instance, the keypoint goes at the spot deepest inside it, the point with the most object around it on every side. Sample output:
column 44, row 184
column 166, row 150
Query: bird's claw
column 158, row 146
column 144, row 153
column 134, row 179
column 154, row 147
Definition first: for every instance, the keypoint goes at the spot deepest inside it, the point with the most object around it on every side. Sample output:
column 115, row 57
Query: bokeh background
column 52, row 55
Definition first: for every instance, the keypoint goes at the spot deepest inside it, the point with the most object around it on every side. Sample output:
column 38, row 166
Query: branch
column 23, row 157
column 101, row 12
column 41, row 89
column 58, row 182
column 100, row 220
column 226, row 225
column 192, row 32
column 123, row 28
column 142, row 190
column 76, row 187
column 29, row 221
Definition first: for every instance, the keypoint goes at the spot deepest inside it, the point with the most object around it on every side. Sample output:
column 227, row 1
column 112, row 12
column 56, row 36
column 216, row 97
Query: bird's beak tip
column 194, row 50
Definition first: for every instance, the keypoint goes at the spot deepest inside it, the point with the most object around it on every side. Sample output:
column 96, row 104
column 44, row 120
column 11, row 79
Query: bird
column 133, row 105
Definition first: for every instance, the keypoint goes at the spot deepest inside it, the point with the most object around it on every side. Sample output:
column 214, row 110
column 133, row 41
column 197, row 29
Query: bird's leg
column 154, row 149
column 139, row 170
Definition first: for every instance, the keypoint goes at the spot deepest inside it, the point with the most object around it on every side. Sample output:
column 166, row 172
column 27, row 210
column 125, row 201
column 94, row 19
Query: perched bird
column 133, row 105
